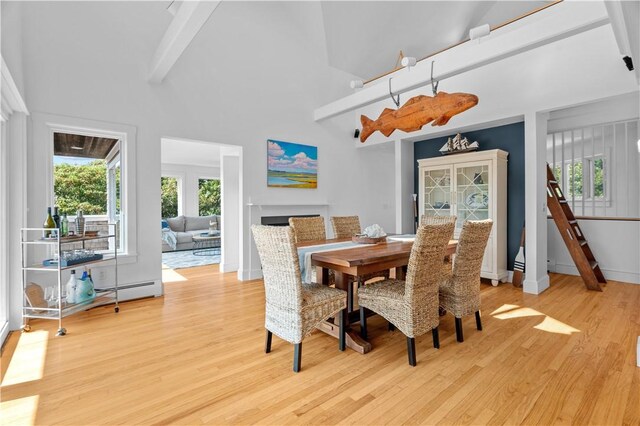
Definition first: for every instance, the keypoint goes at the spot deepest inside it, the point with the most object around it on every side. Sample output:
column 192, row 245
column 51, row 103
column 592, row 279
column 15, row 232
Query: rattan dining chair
column 460, row 288
column 308, row 228
column 436, row 220
column 292, row 308
column 347, row 227
column 411, row 305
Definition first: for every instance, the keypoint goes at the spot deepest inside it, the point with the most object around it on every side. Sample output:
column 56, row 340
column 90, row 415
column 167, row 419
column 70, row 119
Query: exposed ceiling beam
column 189, row 19
column 622, row 32
column 545, row 27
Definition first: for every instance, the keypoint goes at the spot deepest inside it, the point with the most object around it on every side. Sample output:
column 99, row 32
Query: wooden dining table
column 352, row 262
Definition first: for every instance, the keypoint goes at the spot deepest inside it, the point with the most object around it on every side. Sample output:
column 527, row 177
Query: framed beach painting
column 291, row 165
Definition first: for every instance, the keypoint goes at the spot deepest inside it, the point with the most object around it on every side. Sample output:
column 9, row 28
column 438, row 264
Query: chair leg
column 363, row 323
column 411, row 351
column 436, row 338
column 478, row 321
column 343, row 338
column 267, row 343
column 297, row 357
column 390, row 326
column 459, row 336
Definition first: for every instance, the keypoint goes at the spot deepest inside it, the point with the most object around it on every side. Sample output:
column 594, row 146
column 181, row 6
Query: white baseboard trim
column 610, row 274
column 4, row 332
column 249, row 274
column 533, row 286
column 229, row 267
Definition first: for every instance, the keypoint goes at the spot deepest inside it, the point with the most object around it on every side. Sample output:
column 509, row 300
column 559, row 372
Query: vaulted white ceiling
column 364, row 38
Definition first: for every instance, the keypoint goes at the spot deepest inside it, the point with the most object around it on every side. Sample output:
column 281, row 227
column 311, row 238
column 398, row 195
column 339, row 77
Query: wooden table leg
column 322, row 275
column 354, row 341
column 401, row 272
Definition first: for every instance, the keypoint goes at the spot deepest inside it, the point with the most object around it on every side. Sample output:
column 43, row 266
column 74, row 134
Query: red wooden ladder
column 572, row 235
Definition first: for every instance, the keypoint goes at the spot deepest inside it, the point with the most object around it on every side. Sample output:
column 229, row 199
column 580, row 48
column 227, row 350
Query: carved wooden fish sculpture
column 417, row 112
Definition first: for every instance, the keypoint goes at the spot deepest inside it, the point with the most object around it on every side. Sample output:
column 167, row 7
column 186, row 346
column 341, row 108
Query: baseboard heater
column 126, row 287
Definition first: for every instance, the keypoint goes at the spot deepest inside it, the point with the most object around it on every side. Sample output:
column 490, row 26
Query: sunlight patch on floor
column 21, row 411
column 170, row 276
column 518, row 313
column 548, row 324
column 552, row 325
column 27, row 362
column 504, row 308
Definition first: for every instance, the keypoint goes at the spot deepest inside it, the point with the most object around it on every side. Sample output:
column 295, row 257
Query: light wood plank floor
column 196, row 356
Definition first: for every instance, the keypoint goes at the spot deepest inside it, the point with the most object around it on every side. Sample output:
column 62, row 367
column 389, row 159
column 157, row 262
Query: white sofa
column 180, row 231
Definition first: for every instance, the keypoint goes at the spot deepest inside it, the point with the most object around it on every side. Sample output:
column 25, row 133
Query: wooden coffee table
column 206, row 245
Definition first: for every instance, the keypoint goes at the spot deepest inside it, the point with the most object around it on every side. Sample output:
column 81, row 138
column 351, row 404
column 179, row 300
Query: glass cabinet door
column 437, row 192
column 472, row 193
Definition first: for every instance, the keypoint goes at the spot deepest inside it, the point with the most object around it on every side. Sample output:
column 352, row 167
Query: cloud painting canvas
column 291, row 165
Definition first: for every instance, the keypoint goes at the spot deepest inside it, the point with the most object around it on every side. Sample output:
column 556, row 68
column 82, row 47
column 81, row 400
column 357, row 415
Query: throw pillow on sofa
column 200, row 223
column 177, row 224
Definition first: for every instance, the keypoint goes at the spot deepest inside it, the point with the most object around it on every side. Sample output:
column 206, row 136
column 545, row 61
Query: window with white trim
column 87, row 177
column 598, row 168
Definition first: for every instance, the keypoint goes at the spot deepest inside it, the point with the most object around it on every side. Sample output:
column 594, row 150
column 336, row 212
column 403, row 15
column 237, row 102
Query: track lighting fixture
column 408, row 61
column 479, row 32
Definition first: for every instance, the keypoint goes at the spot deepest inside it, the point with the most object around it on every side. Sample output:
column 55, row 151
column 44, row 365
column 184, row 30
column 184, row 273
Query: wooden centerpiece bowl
column 363, row 239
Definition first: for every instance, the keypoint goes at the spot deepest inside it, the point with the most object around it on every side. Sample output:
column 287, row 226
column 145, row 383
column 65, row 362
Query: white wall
column 615, row 245
column 11, row 40
column 90, row 60
column 188, row 180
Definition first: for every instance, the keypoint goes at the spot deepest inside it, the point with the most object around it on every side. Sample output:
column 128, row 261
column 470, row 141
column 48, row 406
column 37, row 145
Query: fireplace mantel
column 287, row 204
column 258, row 209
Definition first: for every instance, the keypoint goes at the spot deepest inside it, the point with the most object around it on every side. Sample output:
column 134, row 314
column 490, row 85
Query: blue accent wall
column 508, row 138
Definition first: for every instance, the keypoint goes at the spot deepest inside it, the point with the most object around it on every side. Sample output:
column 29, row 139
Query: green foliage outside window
column 557, row 173
column 574, row 176
column 598, row 178
column 208, row 197
column 169, row 195
column 81, row 187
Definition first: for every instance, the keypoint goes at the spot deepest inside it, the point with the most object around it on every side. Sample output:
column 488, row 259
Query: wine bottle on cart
column 56, row 217
column 48, row 224
column 64, row 226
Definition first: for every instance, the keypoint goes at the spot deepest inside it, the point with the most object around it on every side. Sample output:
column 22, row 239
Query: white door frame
column 239, row 232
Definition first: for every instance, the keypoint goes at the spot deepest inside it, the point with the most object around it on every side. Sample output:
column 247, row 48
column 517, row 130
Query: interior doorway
column 200, row 206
